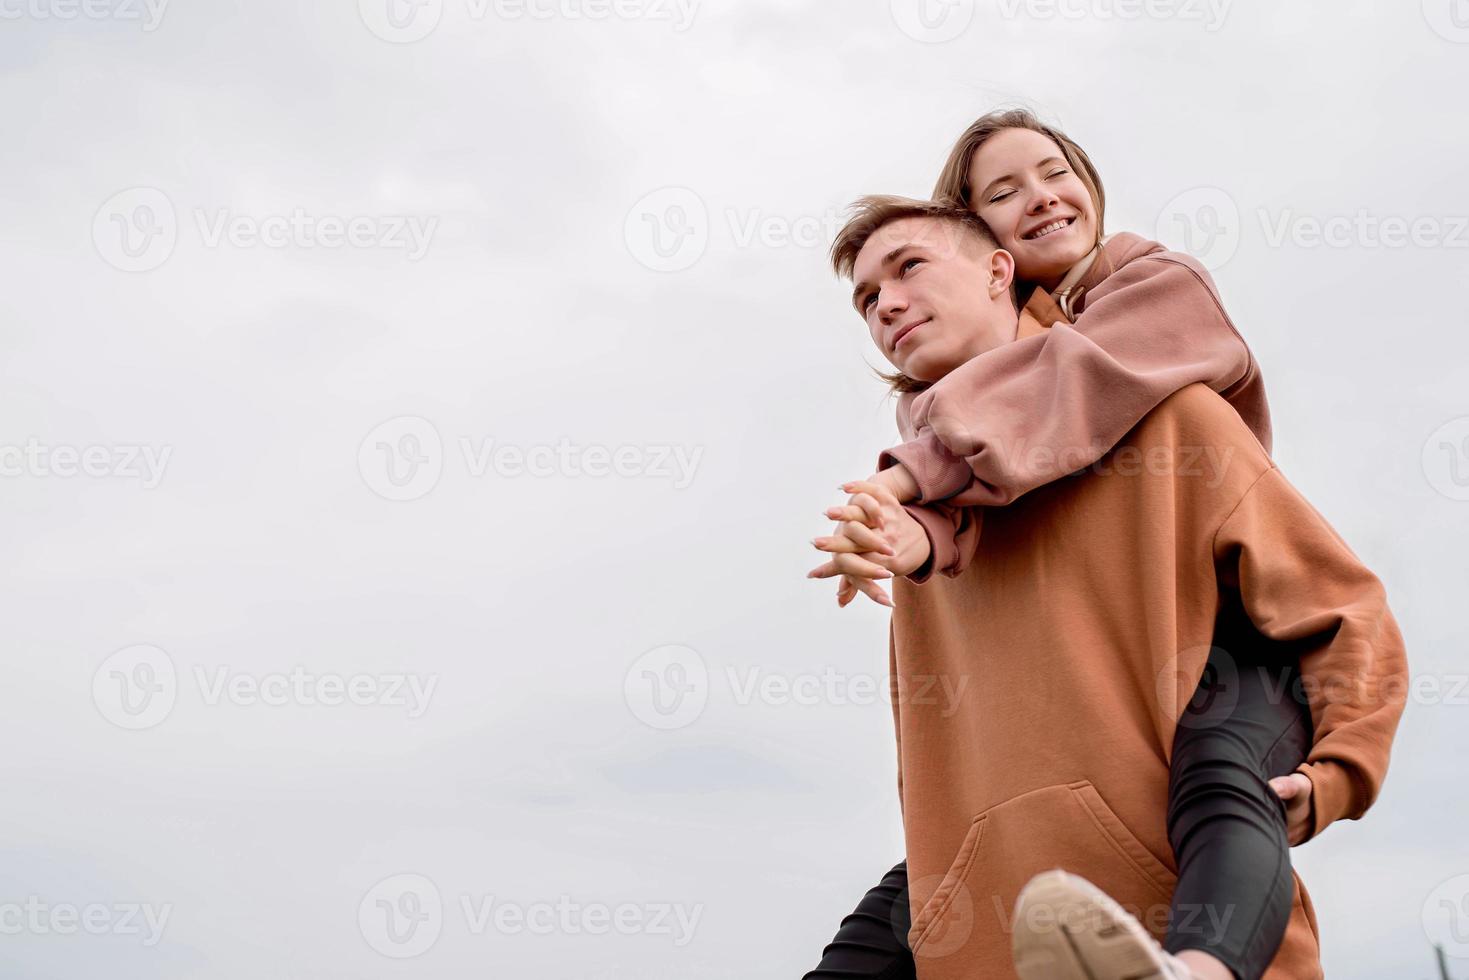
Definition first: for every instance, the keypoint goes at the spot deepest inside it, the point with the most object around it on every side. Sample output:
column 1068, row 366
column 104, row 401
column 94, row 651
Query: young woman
column 1133, row 323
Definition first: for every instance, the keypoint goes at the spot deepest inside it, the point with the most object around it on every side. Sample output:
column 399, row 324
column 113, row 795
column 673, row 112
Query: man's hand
column 1295, row 790
column 875, row 539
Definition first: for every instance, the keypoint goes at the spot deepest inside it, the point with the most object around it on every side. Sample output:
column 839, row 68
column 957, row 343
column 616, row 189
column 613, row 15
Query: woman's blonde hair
column 953, row 184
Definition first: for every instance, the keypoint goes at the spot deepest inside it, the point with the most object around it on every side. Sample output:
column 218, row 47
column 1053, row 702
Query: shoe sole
column 1086, row 935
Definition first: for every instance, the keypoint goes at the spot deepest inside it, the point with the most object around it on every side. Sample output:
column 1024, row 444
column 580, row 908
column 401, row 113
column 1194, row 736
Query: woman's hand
column 1295, row 790
column 875, row 539
column 897, row 479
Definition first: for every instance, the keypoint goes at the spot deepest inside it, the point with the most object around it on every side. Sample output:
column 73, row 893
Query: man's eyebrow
column 863, row 286
column 1004, row 177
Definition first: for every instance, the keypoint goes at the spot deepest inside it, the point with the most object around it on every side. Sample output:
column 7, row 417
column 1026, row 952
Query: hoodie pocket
column 1068, row 826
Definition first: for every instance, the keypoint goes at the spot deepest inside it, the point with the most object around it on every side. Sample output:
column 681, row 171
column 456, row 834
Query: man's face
column 933, row 294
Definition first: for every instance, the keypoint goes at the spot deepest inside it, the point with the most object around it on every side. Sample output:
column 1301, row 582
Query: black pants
column 1247, row 722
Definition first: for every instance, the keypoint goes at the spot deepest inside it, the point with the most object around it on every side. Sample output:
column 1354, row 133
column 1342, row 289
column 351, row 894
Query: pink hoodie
column 1025, row 414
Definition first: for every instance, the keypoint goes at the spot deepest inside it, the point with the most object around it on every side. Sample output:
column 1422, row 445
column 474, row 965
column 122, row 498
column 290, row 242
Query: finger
column 846, row 591
column 867, row 537
column 870, row 507
column 847, row 512
column 874, row 591
column 878, row 490
column 854, row 566
column 854, row 539
column 860, row 566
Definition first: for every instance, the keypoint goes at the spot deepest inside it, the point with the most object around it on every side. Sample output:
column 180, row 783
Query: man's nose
column 890, row 303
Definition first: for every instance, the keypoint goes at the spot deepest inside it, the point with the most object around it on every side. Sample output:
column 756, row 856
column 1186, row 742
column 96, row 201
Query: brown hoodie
column 1148, row 322
column 1073, row 640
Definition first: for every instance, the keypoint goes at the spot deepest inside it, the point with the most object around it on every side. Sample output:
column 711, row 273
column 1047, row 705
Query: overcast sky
column 390, row 390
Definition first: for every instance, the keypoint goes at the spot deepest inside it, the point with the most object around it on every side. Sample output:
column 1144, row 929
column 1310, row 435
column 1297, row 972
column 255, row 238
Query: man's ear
column 1002, row 272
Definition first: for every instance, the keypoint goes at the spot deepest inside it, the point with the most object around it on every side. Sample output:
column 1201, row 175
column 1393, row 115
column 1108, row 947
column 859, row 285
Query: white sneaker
column 1066, row 928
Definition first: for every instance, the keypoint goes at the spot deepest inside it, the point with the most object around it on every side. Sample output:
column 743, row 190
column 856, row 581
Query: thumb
column 1284, row 787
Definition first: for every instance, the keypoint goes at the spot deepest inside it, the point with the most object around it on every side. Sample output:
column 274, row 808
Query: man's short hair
column 871, row 213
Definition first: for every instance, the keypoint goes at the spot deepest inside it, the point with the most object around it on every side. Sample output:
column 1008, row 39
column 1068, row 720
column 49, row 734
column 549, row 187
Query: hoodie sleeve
column 1029, row 412
column 953, row 534
column 1300, row 584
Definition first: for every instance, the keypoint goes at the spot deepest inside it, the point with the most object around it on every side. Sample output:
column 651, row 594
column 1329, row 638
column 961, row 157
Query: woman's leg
column 1246, row 724
column 872, row 942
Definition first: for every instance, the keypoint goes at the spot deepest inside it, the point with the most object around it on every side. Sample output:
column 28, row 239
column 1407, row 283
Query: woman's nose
column 1041, row 198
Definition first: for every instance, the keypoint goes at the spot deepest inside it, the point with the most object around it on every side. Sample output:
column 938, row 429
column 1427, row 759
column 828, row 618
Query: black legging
column 1247, row 723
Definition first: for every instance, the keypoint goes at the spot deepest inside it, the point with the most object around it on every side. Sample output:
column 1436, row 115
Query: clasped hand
column 875, row 537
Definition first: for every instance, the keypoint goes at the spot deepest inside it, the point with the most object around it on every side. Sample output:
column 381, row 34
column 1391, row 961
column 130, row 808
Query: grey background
column 541, row 311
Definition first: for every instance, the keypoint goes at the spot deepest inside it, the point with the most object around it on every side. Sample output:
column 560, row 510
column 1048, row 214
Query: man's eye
column 868, row 300
column 910, row 262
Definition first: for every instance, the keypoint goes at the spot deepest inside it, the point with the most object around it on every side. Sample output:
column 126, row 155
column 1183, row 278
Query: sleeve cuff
column 1332, row 798
column 941, row 551
column 939, row 473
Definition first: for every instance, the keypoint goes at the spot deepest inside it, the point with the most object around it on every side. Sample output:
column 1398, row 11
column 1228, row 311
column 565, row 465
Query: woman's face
column 1022, row 186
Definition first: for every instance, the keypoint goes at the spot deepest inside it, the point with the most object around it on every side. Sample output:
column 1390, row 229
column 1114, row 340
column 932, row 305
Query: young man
column 1080, row 630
